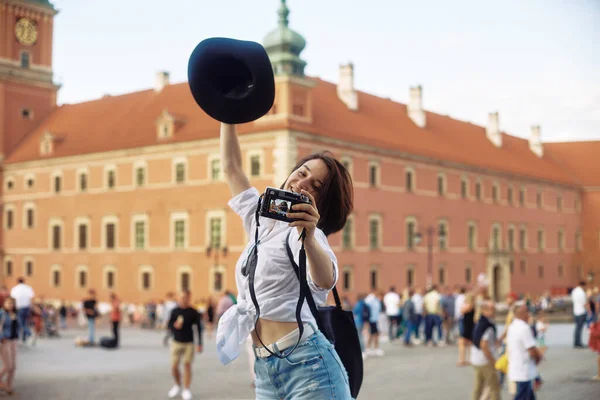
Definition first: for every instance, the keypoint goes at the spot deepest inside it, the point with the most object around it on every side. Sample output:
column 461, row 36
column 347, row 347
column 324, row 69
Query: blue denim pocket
column 338, row 361
column 305, row 354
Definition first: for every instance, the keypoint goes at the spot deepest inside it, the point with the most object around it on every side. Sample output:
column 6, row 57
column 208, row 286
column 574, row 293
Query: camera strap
column 251, row 270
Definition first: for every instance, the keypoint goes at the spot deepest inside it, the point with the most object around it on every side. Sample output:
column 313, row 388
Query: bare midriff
column 271, row 331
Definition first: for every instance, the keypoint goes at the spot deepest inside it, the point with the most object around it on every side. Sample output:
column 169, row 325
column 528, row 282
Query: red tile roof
column 579, row 158
column 129, row 121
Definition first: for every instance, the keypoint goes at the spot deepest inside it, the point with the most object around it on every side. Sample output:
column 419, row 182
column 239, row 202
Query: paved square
column 55, row 369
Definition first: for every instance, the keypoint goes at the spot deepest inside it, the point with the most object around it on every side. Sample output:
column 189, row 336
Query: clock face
column 26, row 31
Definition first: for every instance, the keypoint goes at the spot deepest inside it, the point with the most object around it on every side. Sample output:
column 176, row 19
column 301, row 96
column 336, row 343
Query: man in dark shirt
column 183, row 318
column 89, row 308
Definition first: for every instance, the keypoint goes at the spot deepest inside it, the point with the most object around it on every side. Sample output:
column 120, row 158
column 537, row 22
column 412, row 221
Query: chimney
column 535, row 141
column 162, row 80
column 345, row 88
column 492, row 131
column 415, row 106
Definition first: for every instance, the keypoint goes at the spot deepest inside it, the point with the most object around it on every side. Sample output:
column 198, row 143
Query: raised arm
column 231, row 160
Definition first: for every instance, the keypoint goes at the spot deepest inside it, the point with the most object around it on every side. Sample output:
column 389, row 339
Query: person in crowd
column 468, row 324
column 448, row 308
column 373, row 301
column 361, row 316
column 23, row 295
column 580, row 310
column 591, row 307
column 483, row 352
column 433, row 316
column 594, row 345
column 115, row 316
column 10, row 325
column 210, row 317
column 182, row 321
column 392, row 310
column 328, row 186
column 63, row 312
column 417, row 300
column 410, row 317
column 170, row 305
column 91, row 312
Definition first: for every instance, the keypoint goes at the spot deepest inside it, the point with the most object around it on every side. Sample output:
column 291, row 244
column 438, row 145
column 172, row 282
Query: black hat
column 231, row 80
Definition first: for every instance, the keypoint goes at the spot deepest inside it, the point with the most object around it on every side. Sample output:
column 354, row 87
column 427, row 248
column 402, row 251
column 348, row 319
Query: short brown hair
column 336, row 196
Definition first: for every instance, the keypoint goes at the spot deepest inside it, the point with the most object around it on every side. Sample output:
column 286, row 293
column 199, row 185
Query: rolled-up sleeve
column 244, row 205
column 322, row 240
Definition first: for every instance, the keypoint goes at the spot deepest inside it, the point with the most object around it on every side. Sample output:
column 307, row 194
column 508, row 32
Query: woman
column 466, row 335
column 313, row 370
column 10, row 327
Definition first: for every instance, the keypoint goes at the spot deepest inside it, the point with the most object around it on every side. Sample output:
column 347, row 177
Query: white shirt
column 478, row 357
column 169, row 306
column 458, row 303
column 417, row 300
column 276, row 284
column 392, row 304
column 22, row 294
column 521, row 368
column 579, row 299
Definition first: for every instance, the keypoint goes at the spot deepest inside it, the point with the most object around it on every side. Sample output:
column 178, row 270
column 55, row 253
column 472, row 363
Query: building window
column 410, row 276
column 561, row 240
column 255, row 165
column 140, row 235
column 523, row 267
column 83, row 182
column 578, row 245
column 10, row 184
column 495, row 193
column 472, row 237
column 373, row 175
column 409, row 176
column 27, row 113
column 146, row 280
column 561, row 270
column 57, row 184
column 140, row 176
column 28, row 268
column 410, row 235
column 179, row 233
column 347, row 279
column 347, row 163
column 443, row 235
column 468, row 273
column 441, row 185
column 538, row 199
column 374, row 279
column 82, row 278
column 180, row 172
column 56, row 277
column 509, row 195
column 559, row 203
column 511, row 239
column 215, row 169
column 540, row 271
column 25, row 59
column 184, row 281
column 9, row 268
column 218, row 278
column 495, row 238
column 540, row 239
column 110, row 279
column 511, row 266
column 374, row 228
column 83, row 239
column 56, row 239
column 110, row 235
column 522, row 197
column 478, row 190
column 9, row 218
column 347, row 235
column 110, row 178
column 30, row 182
column 464, row 188
column 216, row 232
column 522, row 239
column 442, row 275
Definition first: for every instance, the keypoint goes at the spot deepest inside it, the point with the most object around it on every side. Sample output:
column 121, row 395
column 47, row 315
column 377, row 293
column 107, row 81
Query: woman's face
column 8, row 304
column 310, row 177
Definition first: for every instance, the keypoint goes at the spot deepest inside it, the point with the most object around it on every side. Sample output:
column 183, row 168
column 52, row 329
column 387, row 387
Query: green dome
column 284, row 46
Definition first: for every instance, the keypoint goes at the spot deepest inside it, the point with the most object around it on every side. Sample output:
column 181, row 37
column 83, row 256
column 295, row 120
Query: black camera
column 276, row 203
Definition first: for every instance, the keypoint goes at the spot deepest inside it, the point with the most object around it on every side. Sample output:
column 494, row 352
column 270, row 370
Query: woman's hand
column 307, row 216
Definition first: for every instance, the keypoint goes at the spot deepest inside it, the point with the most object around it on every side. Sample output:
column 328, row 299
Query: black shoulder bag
column 336, row 324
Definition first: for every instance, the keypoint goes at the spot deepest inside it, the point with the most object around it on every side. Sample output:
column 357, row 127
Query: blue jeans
column 431, row 322
column 524, row 391
column 91, row 329
column 410, row 328
column 313, row 371
column 579, row 322
column 24, row 315
column 418, row 321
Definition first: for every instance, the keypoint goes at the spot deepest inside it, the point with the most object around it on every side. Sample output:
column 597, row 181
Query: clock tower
column 27, row 90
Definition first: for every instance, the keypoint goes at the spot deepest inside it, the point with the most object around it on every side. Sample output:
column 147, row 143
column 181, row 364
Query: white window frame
column 9, row 179
column 376, row 268
column 377, row 164
column 51, row 224
column 179, row 216
column 261, row 156
column 500, row 236
column 53, row 268
column 184, row 269
column 560, row 239
column 8, row 259
column 78, row 270
column 136, row 165
column 413, row 174
column 81, row 171
column 541, row 248
column 108, row 219
column 446, row 223
column 25, row 261
column 212, row 158
column 350, row 219
column 105, row 270
column 415, row 221
column 179, row 160
column 379, row 219
column 476, row 234
column 221, row 214
column 211, row 278
column 467, row 191
column 350, row 164
column 82, row 221
column 350, row 269
column 141, row 270
column 444, row 185
column 145, row 218
column 479, row 182
column 10, row 207
column 515, row 236
column 496, row 186
column 523, row 227
column 106, row 170
column 62, row 182
column 27, row 178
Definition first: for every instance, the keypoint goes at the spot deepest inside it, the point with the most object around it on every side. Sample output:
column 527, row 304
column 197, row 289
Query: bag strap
column 308, row 293
column 251, row 275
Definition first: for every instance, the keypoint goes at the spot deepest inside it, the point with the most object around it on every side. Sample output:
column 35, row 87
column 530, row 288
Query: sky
column 535, row 62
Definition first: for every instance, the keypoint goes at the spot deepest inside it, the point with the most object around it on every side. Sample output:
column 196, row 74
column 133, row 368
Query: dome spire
column 284, row 46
